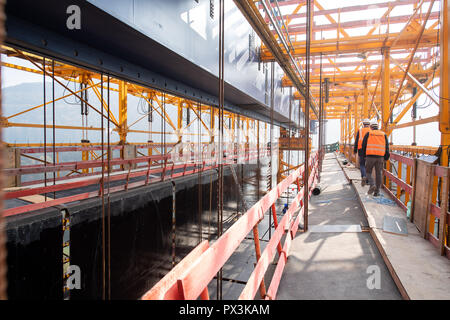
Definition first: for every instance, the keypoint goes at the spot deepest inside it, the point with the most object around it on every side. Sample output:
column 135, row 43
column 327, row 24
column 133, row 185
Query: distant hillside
column 68, row 112
column 24, row 96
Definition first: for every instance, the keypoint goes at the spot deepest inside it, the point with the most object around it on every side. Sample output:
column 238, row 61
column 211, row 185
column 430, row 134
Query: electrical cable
column 77, row 101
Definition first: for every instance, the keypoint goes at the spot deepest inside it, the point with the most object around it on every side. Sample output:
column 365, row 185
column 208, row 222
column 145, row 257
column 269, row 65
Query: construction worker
column 375, row 149
column 358, row 148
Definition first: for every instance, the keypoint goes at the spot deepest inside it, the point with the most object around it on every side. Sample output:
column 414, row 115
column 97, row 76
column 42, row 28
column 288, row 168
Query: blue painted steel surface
column 187, row 28
column 162, row 44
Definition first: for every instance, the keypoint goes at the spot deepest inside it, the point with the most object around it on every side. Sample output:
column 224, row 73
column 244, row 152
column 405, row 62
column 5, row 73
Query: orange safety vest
column 362, row 134
column 376, row 143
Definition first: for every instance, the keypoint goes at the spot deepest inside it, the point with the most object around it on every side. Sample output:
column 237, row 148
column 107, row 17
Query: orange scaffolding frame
column 189, row 279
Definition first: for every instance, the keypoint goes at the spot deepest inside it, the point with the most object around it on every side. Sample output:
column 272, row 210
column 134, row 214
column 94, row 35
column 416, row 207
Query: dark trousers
column 362, row 164
column 377, row 164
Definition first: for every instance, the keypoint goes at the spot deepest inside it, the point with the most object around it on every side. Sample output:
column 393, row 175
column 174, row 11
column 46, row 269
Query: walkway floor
column 338, row 264
column 417, row 268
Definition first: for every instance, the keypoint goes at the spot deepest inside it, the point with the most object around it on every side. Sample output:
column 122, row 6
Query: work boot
column 371, row 189
column 376, row 193
column 363, row 181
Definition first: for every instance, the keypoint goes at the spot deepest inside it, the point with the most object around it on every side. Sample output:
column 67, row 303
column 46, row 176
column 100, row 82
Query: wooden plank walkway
column 415, row 265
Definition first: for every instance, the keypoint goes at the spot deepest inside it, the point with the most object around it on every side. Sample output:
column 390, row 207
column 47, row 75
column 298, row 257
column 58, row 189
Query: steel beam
column 444, row 102
column 385, row 93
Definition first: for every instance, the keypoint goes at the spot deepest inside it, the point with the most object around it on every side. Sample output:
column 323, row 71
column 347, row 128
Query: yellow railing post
column 408, row 181
column 399, row 175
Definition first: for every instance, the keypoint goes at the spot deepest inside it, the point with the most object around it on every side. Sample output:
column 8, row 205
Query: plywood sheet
column 36, row 198
column 395, row 225
column 422, row 195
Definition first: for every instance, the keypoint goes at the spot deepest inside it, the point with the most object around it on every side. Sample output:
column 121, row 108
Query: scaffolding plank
column 416, row 267
column 37, row 198
column 335, row 228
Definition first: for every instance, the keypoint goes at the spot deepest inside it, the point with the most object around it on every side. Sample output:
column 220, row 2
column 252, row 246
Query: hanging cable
column 150, row 120
column 109, row 186
column 45, row 126
column 103, row 199
column 77, row 101
column 220, row 146
column 199, row 162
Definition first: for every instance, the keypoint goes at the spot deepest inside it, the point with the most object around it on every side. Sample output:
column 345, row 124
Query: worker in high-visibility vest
column 375, row 148
column 358, row 148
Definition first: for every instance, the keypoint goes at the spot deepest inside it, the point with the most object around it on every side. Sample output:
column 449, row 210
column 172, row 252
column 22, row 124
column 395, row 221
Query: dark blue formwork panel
column 190, row 28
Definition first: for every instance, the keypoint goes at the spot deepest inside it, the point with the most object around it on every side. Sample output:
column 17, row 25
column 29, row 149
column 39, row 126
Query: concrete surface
column 335, row 265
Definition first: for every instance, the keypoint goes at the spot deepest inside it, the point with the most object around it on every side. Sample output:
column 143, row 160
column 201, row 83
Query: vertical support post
column 123, row 89
column 385, row 100
column 199, row 163
column 220, row 146
column 309, row 18
column 385, row 89
column 408, row 181
column 57, row 161
column 387, row 182
column 414, row 187
column 280, row 163
column 444, row 94
column 320, row 116
column 179, row 119
column 272, row 101
column 11, row 159
column 349, row 133
column 443, row 222
column 355, row 127
column 434, row 197
column 345, row 132
column 366, row 100
column 212, row 123
column 399, row 174
column 262, row 286
column 85, row 156
column 150, row 125
column 3, row 253
column 122, row 118
column 174, row 222
column 258, row 170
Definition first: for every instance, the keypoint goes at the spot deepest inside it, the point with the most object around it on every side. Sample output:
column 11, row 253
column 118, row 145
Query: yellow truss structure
column 371, row 64
column 196, row 131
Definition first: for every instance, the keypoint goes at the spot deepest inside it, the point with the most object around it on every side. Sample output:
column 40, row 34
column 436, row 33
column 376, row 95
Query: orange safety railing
column 156, row 168
column 189, row 279
column 429, row 181
column 403, row 183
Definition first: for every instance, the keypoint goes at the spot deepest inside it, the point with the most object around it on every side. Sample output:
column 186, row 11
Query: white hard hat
column 374, row 123
column 366, row 121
